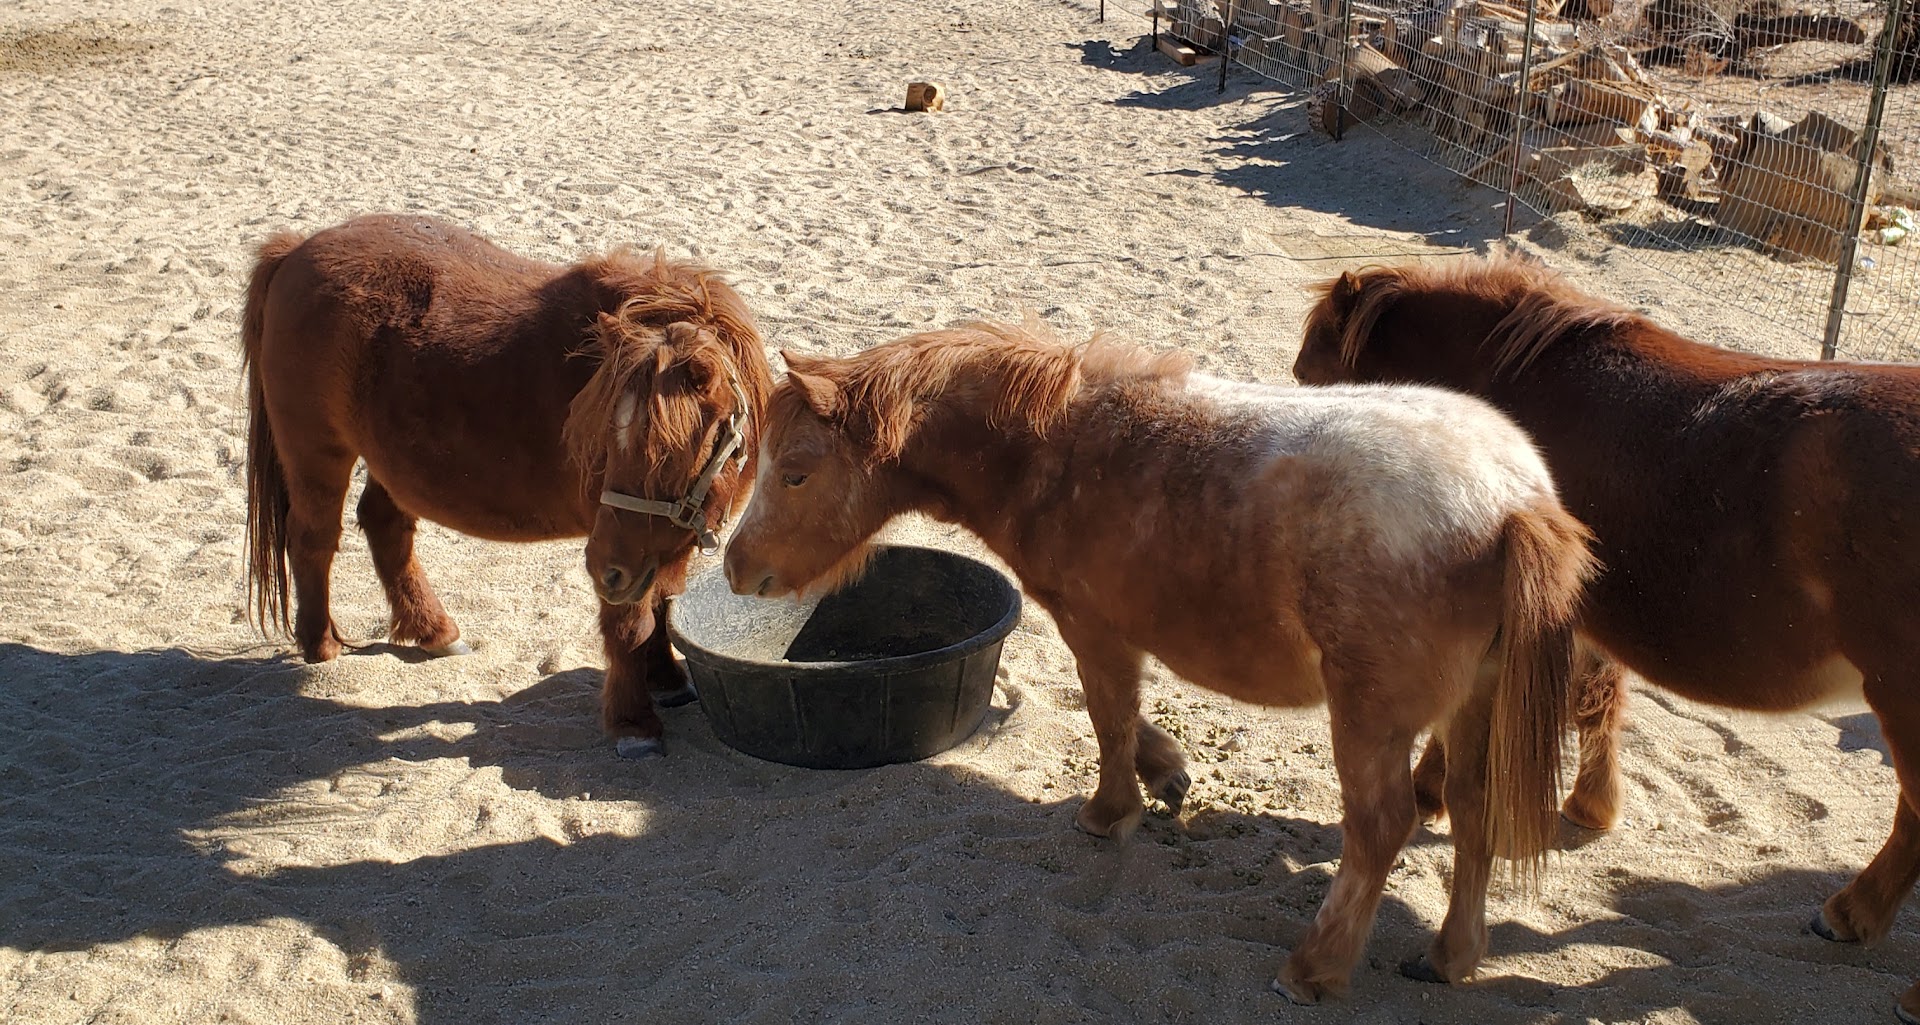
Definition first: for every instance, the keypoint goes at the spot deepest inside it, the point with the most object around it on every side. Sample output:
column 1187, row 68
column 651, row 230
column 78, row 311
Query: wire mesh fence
column 1718, row 141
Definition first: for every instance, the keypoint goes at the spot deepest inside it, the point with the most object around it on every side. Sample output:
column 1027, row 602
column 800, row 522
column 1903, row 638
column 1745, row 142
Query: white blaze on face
column 623, row 421
column 762, row 482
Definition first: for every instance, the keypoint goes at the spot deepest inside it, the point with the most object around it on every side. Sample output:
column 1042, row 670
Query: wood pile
column 1595, row 132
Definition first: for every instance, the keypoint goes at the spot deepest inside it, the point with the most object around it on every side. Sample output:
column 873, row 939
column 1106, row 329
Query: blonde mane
column 1031, row 377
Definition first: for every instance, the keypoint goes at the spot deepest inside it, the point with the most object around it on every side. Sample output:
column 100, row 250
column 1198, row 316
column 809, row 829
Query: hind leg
column 417, row 617
column 626, row 703
column 1864, row 911
column 317, row 494
column 1430, row 780
column 1462, row 940
column 1602, row 689
column 1372, row 754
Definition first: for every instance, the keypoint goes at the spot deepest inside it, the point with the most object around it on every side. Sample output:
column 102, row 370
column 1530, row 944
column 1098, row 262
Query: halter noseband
column 689, row 513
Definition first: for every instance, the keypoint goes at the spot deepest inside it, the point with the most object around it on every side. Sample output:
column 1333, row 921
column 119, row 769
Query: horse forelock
column 668, row 378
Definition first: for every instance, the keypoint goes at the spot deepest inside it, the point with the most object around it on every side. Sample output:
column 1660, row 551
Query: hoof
column 458, row 647
column 1585, row 819
column 1577, row 824
column 1117, row 830
column 1905, row 1015
column 686, row 695
column 1827, row 932
column 1303, row 995
column 636, row 748
column 1421, row 969
column 1173, row 791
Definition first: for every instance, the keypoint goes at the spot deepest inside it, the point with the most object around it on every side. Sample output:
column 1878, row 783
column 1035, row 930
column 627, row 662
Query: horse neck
column 961, row 468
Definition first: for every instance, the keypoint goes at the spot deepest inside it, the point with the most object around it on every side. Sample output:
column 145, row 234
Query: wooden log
column 1589, row 135
column 1583, row 102
column 926, row 96
column 1184, row 55
column 1329, row 116
column 1790, row 191
column 1686, row 177
column 1394, row 87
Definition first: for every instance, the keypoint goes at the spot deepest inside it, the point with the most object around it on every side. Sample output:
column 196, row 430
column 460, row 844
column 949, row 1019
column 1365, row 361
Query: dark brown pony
column 1754, row 517
column 503, row 398
column 1397, row 553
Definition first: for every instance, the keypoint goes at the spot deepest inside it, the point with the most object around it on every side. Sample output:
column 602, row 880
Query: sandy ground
column 195, row 827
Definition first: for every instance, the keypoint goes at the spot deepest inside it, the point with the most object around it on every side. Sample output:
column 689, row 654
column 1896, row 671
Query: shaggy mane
column 672, row 343
column 1029, row 377
column 1542, row 306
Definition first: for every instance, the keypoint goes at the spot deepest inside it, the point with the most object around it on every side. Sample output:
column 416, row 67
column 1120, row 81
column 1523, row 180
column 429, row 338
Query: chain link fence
column 1717, row 141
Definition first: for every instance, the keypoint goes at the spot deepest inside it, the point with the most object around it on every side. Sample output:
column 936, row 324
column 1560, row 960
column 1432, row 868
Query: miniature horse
column 1752, row 516
column 506, row 399
column 1395, row 552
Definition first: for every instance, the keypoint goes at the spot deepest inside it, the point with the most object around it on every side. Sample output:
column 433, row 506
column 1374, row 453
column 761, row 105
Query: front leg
column 1110, row 678
column 665, row 677
column 626, row 702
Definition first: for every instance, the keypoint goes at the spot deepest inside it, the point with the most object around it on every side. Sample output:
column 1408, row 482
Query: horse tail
column 1547, row 566
column 267, row 498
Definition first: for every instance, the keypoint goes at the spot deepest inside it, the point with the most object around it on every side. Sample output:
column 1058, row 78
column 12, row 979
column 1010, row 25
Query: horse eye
column 794, row 480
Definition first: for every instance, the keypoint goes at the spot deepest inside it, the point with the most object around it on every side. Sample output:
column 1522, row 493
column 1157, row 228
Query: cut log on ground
column 927, row 96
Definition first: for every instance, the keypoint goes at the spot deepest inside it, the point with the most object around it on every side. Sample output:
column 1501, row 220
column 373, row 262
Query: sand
column 197, row 827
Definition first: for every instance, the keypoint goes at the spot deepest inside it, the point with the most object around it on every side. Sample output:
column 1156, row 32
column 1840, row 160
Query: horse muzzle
column 618, row 585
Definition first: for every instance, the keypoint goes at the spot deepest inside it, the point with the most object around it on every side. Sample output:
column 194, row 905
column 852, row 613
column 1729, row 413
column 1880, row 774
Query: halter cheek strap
column 689, row 513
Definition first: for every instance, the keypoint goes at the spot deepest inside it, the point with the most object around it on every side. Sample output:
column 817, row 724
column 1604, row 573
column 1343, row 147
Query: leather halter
column 689, row 513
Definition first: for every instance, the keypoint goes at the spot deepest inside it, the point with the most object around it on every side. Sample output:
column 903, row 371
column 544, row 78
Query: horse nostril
column 613, row 579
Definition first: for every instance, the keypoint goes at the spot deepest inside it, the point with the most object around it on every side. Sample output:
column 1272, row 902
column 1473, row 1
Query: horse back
column 1750, row 514
column 444, row 361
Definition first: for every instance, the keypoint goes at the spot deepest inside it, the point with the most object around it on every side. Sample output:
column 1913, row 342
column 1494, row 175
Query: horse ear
column 1345, row 290
column 822, row 395
column 800, row 361
column 606, row 328
column 682, row 335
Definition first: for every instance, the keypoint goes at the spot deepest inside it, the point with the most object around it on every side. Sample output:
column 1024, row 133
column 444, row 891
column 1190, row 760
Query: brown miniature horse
column 1395, row 552
column 1753, row 516
column 506, row 399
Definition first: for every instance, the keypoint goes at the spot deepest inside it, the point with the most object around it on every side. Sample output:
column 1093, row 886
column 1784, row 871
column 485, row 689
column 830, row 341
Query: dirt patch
column 72, row 46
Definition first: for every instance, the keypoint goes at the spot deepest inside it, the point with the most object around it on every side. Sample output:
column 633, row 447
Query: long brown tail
column 1548, row 565
column 267, row 500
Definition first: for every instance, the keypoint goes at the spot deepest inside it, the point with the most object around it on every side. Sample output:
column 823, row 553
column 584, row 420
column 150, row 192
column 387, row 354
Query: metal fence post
column 1345, row 95
column 1863, row 175
column 1226, row 44
column 1520, row 105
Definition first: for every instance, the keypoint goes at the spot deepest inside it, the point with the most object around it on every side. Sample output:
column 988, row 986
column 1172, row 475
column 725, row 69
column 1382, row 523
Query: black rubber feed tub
column 895, row 667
